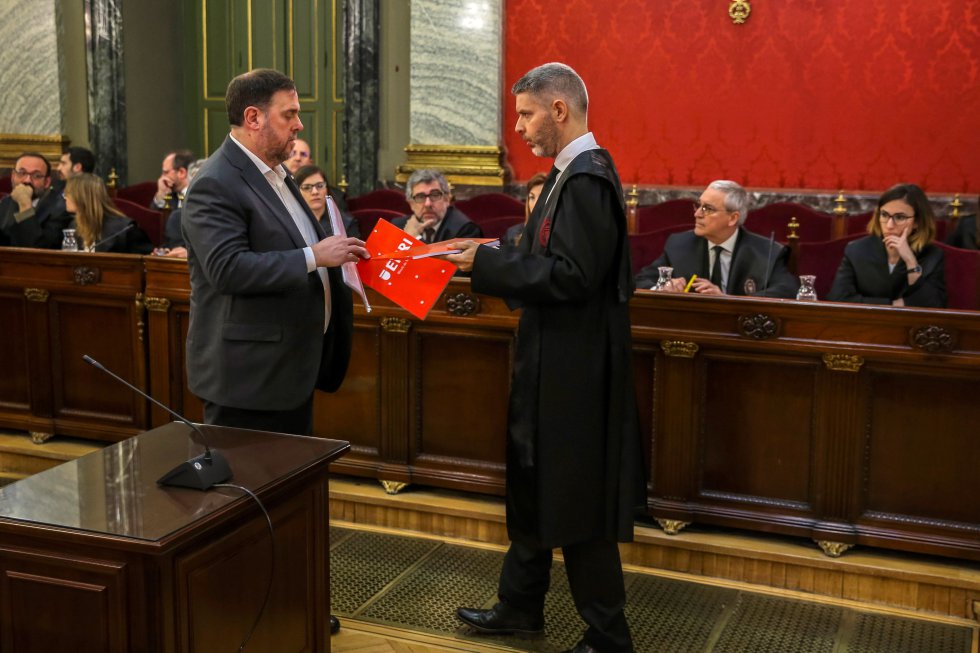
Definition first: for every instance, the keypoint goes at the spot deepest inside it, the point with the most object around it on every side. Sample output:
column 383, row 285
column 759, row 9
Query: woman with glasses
column 897, row 263
column 98, row 224
column 315, row 188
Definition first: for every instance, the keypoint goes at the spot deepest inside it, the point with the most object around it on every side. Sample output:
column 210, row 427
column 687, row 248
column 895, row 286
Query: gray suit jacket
column 255, row 338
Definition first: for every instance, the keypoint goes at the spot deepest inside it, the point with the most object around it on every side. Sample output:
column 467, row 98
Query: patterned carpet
column 417, row 584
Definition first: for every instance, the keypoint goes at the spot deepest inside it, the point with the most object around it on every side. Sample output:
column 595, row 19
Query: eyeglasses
column 706, row 209
column 898, row 218
column 307, row 188
column 36, row 176
column 434, row 195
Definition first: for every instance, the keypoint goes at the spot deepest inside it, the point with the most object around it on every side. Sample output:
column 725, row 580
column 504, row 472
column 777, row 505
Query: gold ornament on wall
column 739, row 10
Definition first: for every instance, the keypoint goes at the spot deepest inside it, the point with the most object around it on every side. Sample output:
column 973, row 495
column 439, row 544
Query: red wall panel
column 855, row 94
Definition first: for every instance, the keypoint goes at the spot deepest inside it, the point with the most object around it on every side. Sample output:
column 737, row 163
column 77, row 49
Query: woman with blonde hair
column 897, row 263
column 99, row 225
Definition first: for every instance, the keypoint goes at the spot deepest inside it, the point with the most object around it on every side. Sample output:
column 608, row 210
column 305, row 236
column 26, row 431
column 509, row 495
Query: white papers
column 348, row 270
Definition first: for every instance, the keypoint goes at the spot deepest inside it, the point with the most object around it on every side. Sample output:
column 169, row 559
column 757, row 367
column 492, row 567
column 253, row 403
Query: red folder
column 413, row 284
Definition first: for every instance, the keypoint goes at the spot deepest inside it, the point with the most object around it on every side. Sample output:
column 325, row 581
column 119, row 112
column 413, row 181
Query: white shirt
column 583, row 143
column 728, row 248
column 277, row 179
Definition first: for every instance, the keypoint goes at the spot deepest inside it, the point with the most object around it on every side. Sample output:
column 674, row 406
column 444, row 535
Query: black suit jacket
column 863, row 276
column 119, row 237
column 454, row 225
column 41, row 229
column 965, row 235
column 688, row 254
column 255, row 338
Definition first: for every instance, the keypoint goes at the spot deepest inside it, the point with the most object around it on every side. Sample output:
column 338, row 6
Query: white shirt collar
column 259, row 163
column 581, row 144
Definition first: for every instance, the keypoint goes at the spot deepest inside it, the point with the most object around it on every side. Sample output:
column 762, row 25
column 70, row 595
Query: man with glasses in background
column 33, row 215
column 433, row 218
column 727, row 258
column 173, row 181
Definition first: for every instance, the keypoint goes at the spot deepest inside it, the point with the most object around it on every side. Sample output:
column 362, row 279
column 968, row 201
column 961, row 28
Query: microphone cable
column 272, row 560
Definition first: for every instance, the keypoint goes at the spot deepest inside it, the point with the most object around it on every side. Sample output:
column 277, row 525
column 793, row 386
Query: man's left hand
column 705, row 287
column 464, row 260
column 337, row 250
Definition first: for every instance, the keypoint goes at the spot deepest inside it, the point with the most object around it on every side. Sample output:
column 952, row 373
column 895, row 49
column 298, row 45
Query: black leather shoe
column 582, row 647
column 502, row 619
column 334, row 625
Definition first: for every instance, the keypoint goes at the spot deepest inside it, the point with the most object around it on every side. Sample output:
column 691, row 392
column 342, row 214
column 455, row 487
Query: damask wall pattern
column 853, row 94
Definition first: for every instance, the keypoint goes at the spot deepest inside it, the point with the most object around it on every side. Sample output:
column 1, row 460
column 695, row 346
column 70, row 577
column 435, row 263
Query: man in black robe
column 575, row 470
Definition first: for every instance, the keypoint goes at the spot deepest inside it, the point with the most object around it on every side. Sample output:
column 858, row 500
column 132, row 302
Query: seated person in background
column 727, row 258
column 315, row 188
column 75, row 160
column 433, row 219
column 534, row 187
column 965, row 236
column 173, row 181
column 33, row 215
column 298, row 157
column 896, row 264
column 173, row 237
column 99, row 226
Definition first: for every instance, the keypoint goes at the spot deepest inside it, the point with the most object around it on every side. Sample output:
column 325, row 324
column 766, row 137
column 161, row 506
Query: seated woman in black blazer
column 897, row 264
column 99, row 226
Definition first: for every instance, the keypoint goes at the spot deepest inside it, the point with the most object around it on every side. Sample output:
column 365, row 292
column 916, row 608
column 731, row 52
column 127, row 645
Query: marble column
column 106, row 86
column 362, row 97
column 456, row 89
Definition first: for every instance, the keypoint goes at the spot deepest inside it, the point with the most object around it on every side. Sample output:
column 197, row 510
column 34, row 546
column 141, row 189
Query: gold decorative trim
column 13, row 145
column 672, row 526
column 36, row 294
column 679, row 348
column 843, row 362
column 395, row 324
column 40, row 437
column 739, row 11
column 833, row 549
column 477, row 165
column 392, row 487
column 158, row 304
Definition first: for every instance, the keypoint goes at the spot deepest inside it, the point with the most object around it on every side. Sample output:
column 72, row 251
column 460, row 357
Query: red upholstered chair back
column 822, row 259
column 367, row 218
column 490, row 205
column 141, row 193
column 384, row 198
column 814, row 225
column 962, row 277
column 858, row 223
column 647, row 247
column 5, row 185
column 150, row 221
column 497, row 227
column 666, row 214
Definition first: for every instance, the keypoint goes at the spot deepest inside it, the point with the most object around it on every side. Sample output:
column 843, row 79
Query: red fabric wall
column 853, row 94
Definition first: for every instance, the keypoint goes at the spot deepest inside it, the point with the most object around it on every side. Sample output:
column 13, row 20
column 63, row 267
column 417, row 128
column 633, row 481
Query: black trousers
column 595, row 576
column 298, row 421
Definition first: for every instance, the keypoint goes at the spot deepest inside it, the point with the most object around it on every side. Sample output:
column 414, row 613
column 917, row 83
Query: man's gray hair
column 425, row 176
column 736, row 198
column 552, row 80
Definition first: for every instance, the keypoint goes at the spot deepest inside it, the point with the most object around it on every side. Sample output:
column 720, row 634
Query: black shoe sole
column 483, row 630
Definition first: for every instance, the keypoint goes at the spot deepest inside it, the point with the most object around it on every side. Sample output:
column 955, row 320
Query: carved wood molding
column 932, row 339
column 139, row 316
column 679, row 348
column 158, row 304
column 758, row 327
column 395, row 324
column 36, row 294
column 84, row 275
column 843, row 362
column 462, row 304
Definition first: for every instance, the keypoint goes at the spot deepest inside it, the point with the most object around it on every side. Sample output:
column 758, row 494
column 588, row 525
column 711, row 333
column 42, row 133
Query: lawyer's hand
column 337, row 250
column 463, row 260
column 705, row 287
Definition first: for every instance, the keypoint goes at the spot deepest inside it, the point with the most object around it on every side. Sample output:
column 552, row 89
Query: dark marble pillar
column 106, row 85
column 362, row 96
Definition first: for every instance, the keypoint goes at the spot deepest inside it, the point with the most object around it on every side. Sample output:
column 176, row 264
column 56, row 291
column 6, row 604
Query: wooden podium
column 94, row 556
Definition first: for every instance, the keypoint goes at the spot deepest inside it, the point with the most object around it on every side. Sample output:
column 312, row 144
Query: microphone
column 107, row 239
column 198, row 473
column 765, row 285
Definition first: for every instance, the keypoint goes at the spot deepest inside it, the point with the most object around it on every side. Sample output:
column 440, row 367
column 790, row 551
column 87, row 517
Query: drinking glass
column 69, row 243
column 807, row 293
column 663, row 283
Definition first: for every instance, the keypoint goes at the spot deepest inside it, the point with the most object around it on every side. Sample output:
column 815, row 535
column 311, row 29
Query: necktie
column 428, row 235
column 716, row 267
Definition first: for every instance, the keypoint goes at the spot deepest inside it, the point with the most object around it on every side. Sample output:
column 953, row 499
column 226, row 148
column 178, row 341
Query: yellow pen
column 690, row 283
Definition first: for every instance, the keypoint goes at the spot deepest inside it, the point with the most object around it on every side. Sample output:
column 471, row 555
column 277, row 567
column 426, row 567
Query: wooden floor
column 355, row 637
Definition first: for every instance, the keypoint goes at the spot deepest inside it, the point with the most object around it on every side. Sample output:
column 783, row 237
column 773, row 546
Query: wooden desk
column 95, row 557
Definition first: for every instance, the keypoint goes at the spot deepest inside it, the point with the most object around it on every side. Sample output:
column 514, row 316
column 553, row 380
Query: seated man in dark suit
column 965, row 234
column 727, row 258
column 433, row 218
column 33, row 215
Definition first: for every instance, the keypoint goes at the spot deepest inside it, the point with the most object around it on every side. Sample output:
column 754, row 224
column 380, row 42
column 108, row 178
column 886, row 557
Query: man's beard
column 277, row 153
